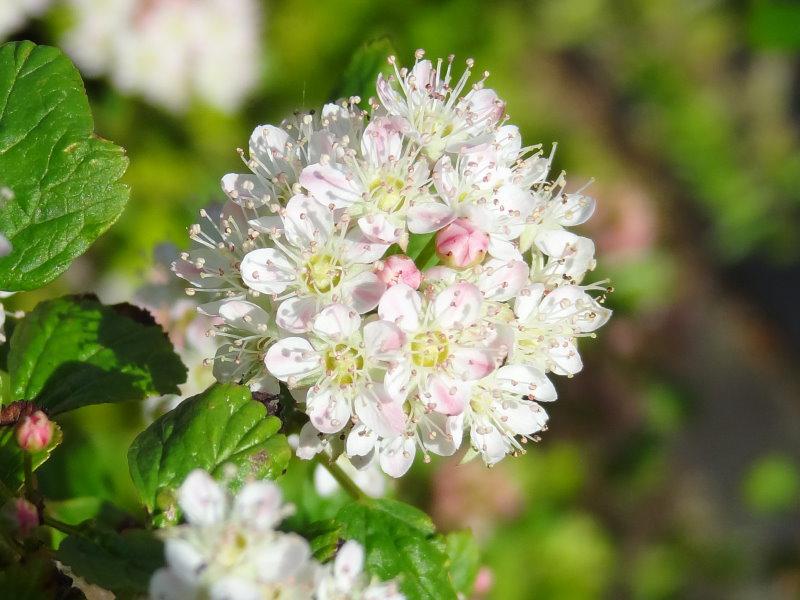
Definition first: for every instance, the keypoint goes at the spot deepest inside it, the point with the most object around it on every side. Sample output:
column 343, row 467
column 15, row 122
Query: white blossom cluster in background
column 230, row 549
column 306, row 268
column 170, row 51
column 14, row 14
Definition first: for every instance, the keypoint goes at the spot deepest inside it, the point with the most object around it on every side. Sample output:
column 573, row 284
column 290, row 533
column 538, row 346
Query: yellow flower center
column 429, row 349
column 342, row 362
column 322, row 273
column 387, row 192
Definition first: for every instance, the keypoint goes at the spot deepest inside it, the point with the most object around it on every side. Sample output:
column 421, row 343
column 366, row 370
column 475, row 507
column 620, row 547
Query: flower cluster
column 230, row 549
column 315, row 267
column 170, row 51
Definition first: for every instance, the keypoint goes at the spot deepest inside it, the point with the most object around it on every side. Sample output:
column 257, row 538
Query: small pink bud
column 461, row 244
column 22, row 516
column 399, row 268
column 484, row 581
column 34, row 432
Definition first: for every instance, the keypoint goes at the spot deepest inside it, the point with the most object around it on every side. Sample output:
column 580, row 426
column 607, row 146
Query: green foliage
column 324, row 537
column 120, row 562
column 775, row 24
column 772, row 485
column 37, row 578
column 222, row 426
column 464, row 557
column 362, row 71
column 12, row 473
column 60, row 183
column 73, row 351
column 400, row 542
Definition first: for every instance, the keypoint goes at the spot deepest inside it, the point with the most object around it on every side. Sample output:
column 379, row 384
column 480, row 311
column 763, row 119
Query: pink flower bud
column 399, row 268
column 34, row 432
column 22, row 516
column 461, row 244
column 484, row 581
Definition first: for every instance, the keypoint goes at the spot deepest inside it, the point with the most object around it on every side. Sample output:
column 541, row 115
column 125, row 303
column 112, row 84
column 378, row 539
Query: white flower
column 439, row 117
column 444, row 344
column 313, row 265
column 337, row 366
column 377, row 185
column 547, row 325
column 368, row 477
column 504, row 405
column 170, row 51
column 344, row 579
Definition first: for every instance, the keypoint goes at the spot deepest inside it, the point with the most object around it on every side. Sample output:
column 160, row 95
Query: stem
column 27, row 465
column 342, row 478
column 61, row 526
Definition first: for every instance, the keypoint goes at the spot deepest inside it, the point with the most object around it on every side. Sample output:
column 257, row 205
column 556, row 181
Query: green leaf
column 324, row 536
column 37, row 578
column 60, row 183
column 12, row 473
column 400, row 543
column 362, row 71
column 220, row 427
column 464, row 560
column 74, row 351
column 422, row 250
column 120, row 562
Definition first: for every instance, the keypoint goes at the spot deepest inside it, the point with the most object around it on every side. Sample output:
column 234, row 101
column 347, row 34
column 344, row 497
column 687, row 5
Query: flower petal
column 330, row 186
column 457, row 306
column 306, row 220
column 202, row 500
column 360, row 441
column 526, row 380
column 445, row 395
column 258, row 504
column 337, row 322
column 397, row 455
column 363, row 291
column 310, row 443
column 267, row 270
column 402, row 305
column 296, row 314
column 328, row 409
column 502, row 280
column 244, row 315
column 382, row 140
column 291, row 358
column 472, row 363
column 428, row 217
column 383, row 340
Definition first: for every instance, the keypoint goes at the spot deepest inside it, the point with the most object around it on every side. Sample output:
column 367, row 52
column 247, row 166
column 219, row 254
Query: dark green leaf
column 222, row 426
column 400, row 543
column 362, row 71
column 37, row 578
column 325, row 537
column 422, row 249
column 120, row 562
column 12, row 473
column 60, row 184
column 464, row 560
column 73, row 351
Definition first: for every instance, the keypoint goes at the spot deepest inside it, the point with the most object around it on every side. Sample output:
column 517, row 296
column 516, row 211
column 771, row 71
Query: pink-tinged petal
column 296, row 314
column 348, row 565
column 363, row 292
column 241, row 314
column 258, row 504
column 472, row 363
column 267, row 270
column 445, row 395
column 380, row 412
column 360, row 249
column 485, row 107
column 382, row 140
column 502, row 280
column 461, row 244
column 528, row 300
column 555, row 242
column 389, row 96
column 328, row 409
column 503, row 249
column 306, row 220
column 360, row 441
column 423, row 76
column 457, row 306
column 402, row 305
column 378, row 228
column 202, row 500
column 268, row 140
column 428, row 217
column 337, row 322
column 383, row 340
column 399, row 268
column 445, row 179
column 508, row 142
column 441, row 274
column 397, row 455
column 397, row 381
column 330, row 186
column 565, row 358
column 441, row 434
column 291, row 358
column 310, row 443
column 523, row 418
column 526, row 380
column 245, row 190
column 574, row 209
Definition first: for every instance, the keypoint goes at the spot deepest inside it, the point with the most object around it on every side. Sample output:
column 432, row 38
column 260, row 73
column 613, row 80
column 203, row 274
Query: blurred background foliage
column 671, row 466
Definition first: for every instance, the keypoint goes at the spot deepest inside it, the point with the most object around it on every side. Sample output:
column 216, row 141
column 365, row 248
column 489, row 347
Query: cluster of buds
column 309, row 270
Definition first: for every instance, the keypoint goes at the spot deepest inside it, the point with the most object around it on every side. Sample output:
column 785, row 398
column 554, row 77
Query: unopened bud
column 460, row 244
column 21, row 516
column 34, row 432
column 399, row 268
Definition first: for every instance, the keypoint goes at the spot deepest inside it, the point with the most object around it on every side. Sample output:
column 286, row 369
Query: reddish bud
column 22, row 516
column 461, row 244
column 399, row 268
column 34, row 432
